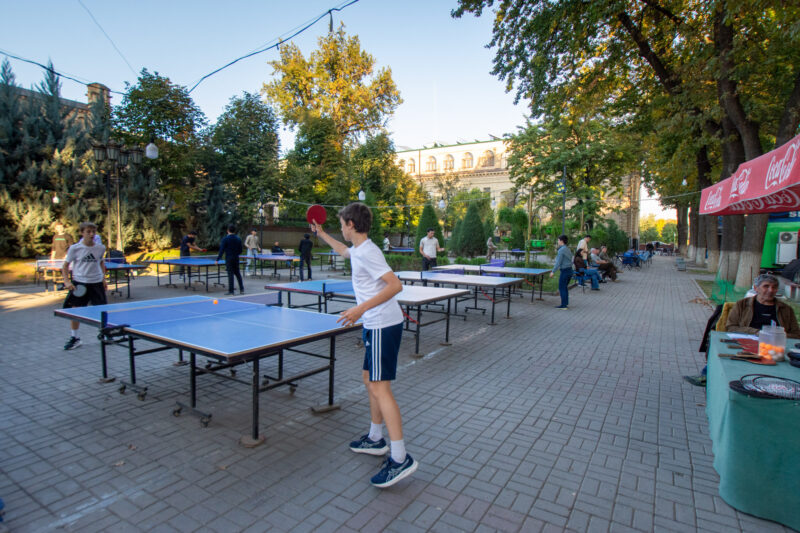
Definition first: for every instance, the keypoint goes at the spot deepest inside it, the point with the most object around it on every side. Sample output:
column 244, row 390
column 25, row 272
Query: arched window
column 466, row 161
column 487, row 159
column 430, row 164
column 448, row 162
column 411, row 167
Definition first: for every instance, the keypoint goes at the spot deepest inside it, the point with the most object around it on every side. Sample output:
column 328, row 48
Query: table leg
column 254, row 439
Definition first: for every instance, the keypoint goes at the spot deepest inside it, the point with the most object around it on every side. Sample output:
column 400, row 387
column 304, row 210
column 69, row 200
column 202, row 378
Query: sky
column 440, row 64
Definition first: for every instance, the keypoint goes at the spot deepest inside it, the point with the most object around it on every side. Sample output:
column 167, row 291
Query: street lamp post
column 120, row 157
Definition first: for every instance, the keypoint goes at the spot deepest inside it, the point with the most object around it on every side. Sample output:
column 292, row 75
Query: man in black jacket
column 231, row 247
column 305, row 254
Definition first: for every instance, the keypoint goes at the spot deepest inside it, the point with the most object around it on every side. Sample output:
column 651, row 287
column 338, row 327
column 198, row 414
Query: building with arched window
column 484, row 165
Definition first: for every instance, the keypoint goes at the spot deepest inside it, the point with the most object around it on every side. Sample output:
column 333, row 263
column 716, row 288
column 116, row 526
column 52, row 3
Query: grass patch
column 706, row 285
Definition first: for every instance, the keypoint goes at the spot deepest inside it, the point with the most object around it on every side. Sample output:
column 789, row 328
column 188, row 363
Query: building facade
column 483, row 165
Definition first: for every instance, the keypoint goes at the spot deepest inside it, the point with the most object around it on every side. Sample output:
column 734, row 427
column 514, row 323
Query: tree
column 157, row 110
column 245, row 138
column 317, row 169
column 473, row 241
column 737, row 96
column 669, row 232
column 373, row 162
column 338, row 81
column 515, row 220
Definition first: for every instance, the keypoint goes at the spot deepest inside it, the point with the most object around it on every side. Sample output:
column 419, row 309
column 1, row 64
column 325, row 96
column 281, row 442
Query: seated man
column 276, row 249
column 750, row 313
column 591, row 273
column 605, row 266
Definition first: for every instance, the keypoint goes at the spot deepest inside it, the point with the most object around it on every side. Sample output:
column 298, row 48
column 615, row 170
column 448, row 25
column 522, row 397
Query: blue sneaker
column 370, row 447
column 393, row 472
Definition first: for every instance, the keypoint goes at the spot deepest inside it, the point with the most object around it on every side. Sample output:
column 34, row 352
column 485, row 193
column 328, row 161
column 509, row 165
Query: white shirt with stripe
column 369, row 265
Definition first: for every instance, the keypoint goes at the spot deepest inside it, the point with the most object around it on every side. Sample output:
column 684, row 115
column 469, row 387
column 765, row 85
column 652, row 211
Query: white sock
column 74, row 333
column 375, row 432
column 398, row 451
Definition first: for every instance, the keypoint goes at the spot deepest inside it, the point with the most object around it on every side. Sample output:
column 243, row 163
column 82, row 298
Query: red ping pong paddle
column 316, row 213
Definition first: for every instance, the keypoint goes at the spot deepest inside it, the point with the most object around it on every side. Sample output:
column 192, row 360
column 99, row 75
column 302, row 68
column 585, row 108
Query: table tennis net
column 170, row 311
column 337, row 286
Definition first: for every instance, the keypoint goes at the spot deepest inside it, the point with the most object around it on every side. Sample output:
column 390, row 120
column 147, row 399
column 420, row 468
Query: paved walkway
column 553, row 420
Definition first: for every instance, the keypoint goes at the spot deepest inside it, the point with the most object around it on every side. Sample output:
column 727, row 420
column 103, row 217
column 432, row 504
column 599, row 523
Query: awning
column 767, row 184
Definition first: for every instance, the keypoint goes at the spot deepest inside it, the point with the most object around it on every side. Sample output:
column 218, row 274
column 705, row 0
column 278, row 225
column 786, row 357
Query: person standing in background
column 61, row 242
column 428, row 246
column 231, row 247
column 253, row 248
column 563, row 265
column 304, row 248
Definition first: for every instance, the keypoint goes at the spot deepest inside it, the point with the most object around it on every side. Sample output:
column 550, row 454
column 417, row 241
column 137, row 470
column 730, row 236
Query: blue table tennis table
column 229, row 333
column 477, row 284
column 535, row 275
column 118, row 273
column 191, row 267
column 412, row 298
column 291, row 261
column 399, row 250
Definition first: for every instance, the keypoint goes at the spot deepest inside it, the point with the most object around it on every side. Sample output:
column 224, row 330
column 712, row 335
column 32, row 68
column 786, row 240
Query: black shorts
column 95, row 295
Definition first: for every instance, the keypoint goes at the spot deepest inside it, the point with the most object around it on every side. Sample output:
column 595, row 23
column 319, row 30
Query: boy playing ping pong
column 375, row 287
column 88, row 282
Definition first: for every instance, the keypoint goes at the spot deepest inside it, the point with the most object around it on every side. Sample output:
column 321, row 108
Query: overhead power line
column 109, row 38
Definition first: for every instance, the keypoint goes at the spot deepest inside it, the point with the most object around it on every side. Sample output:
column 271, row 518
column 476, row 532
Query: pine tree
column 472, row 241
column 454, row 244
column 428, row 220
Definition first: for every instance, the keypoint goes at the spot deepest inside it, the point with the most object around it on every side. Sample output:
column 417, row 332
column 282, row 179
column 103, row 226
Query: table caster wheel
column 176, row 411
column 208, row 365
column 122, row 389
column 264, row 382
column 233, row 372
column 292, row 389
column 141, row 396
column 204, row 421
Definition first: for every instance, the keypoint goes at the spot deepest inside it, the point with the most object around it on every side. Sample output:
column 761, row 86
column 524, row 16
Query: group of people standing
column 592, row 263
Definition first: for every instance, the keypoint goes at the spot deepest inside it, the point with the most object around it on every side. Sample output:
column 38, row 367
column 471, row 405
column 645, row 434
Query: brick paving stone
column 575, row 421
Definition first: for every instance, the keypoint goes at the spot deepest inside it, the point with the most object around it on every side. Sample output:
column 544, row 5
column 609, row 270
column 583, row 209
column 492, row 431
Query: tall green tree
column 473, row 241
column 554, row 52
column 338, row 81
column 245, row 138
column 157, row 110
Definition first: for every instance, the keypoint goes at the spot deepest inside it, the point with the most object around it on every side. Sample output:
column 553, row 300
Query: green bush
column 399, row 262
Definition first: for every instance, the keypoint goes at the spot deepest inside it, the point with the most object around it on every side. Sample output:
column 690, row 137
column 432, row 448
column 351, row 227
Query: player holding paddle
column 375, row 287
column 88, row 281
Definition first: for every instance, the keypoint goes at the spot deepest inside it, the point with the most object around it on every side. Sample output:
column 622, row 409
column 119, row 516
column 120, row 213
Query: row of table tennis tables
column 233, row 332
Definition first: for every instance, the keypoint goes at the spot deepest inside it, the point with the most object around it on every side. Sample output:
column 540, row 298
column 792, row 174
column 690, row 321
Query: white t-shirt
column 583, row 247
column 386, row 244
column 368, row 265
column 86, row 262
column 429, row 246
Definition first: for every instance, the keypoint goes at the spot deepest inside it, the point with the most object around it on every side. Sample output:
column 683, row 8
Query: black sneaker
column 392, row 472
column 370, row 447
column 72, row 343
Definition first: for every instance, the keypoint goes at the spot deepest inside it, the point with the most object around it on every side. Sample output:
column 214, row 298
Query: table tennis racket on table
column 316, row 214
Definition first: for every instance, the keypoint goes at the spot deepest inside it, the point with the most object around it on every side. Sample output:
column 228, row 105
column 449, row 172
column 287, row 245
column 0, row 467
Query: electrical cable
column 109, row 38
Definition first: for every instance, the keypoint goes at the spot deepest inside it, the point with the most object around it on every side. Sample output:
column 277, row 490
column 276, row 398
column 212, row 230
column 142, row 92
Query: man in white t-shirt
column 428, row 246
column 387, row 245
column 375, row 287
column 88, row 276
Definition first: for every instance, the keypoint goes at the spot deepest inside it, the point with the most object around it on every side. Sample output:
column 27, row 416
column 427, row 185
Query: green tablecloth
column 756, row 441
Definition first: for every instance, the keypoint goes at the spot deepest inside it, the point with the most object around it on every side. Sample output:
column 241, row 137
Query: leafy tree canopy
column 337, row 81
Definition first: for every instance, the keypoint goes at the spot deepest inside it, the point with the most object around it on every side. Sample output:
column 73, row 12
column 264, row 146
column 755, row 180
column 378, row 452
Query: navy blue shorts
column 380, row 351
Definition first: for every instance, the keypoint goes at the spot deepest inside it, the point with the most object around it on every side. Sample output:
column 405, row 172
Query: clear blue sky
column 440, row 64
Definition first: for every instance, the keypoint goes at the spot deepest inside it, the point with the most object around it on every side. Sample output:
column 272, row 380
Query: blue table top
column 315, row 286
column 331, row 253
column 228, row 328
column 277, row 257
column 522, row 271
column 186, row 261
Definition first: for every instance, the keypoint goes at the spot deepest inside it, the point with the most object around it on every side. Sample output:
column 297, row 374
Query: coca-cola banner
column 767, row 184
